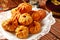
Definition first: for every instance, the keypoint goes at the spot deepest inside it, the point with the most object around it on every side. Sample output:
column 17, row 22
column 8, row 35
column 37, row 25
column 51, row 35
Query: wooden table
column 54, row 33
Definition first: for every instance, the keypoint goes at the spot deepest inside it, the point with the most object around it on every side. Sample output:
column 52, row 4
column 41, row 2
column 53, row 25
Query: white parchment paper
column 47, row 21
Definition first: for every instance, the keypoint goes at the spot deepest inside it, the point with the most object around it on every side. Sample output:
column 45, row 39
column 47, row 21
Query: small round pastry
column 36, row 16
column 25, row 19
column 42, row 13
column 14, row 10
column 22, row 32
column 35, row 27
column 24, row 7
column 10, row 24
column 15, row 13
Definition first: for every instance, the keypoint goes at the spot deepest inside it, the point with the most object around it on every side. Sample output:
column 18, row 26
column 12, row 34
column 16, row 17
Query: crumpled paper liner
column 47, row 21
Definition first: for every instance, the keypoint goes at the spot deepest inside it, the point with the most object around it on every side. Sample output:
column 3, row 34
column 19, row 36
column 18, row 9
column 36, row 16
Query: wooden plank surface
column 54, row 33
column 56, row 28
column 49, row 36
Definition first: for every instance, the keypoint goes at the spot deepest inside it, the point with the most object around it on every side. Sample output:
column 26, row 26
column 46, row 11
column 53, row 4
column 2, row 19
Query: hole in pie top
column 24, row 16
column 21, row 30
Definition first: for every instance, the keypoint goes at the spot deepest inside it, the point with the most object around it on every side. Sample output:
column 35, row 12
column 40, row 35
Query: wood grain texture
column 49, row 36
column 54, row 33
